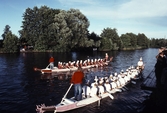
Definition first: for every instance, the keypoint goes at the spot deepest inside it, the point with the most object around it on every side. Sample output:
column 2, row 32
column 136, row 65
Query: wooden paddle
column 66, row 93
column 110, row 95
column 47, row 66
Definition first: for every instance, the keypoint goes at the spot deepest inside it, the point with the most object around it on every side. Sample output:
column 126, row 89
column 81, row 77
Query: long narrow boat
column 117, row 85
column 69, row 69
column 70, row 104
column 56, row 70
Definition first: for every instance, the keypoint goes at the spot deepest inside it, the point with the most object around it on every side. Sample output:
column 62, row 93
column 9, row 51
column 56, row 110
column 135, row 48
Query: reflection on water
column 22, row 88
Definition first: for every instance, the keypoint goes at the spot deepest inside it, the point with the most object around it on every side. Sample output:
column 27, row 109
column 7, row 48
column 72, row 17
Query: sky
column 127, row 16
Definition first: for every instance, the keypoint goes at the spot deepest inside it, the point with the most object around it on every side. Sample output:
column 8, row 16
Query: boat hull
column 71, row 104
column 56, row 70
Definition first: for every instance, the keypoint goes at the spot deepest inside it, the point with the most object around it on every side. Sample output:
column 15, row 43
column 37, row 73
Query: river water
column 22, row 88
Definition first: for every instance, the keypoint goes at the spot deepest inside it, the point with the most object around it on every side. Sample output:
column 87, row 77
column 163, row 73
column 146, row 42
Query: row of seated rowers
column 106, row 84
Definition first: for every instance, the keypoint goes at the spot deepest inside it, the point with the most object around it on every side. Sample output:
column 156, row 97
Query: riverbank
column 89, row 49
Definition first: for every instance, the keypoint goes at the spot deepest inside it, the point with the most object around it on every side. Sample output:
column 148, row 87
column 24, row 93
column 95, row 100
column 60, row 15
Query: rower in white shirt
column 140, row 64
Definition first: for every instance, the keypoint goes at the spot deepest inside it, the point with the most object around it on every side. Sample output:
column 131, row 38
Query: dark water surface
column 22, row 88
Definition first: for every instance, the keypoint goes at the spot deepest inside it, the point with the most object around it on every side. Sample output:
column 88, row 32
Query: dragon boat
column 94, row 92
column 64, row 67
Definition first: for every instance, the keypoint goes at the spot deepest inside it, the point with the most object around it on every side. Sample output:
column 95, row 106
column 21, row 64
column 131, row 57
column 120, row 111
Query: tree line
column 55, row 30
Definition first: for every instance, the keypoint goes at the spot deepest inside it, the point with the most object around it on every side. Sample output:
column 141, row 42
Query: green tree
column 10, row 43
column 6, row 31
column 61, row 33
column 78, row 24
column 113, row 36
column 142, row 41
column 153, row 42
column 126, row 39
column 161, row 42
column 36, row 27
column 106, row 44
column 133, row 39
column 95, row 38
column 56, row 30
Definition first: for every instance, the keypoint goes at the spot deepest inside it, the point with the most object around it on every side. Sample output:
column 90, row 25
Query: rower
column 66, row 65
column 70, row 64
column 101, row 87
column 59, row 65
column 96, row 63
column 107, row 85
column 80, row 63
column 102, row 62
column 140, row 64
column 91, row 62
column 126, row 78
column 77, row 63
column 129, row 74
column 122, row 73
column 122, row 81
column 123, row 76
column 84, row 63
column 134, row 72
column 112, row 79
column 113, row 85
column 117, row 79
column 106, row 57
column 88, row 62
column 86, row 90
column 93, row 89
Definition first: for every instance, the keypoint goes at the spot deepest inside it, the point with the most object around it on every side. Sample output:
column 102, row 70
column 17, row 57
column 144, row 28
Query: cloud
column 119, row 9
column 144, row 8
column 135, row 16
column 77, row 2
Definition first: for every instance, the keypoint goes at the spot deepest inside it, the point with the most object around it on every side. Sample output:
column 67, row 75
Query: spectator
column 77, row 79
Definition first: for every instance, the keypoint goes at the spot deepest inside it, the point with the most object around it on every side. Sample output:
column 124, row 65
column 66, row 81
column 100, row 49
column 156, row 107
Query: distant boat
column 71, row 69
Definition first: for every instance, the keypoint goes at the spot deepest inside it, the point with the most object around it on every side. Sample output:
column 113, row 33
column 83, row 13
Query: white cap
column 100, row 81
column 115, row 73
column 111, row 76
column 107, row 80
column 93, row 84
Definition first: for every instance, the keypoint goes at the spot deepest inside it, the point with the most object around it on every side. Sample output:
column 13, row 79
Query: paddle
column 99, row 102
column 123, row 89
column 133, row 82
column 110, row 95
column 66, row 93
column 48, row 66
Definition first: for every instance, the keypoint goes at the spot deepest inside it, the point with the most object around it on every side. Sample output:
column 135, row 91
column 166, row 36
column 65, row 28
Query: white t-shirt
column 140, row 63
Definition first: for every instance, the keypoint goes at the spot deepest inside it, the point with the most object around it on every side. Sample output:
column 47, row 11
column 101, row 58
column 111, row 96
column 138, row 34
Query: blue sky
column 127, row 16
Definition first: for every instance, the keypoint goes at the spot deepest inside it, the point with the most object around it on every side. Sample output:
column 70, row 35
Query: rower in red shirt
column 51, row 62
